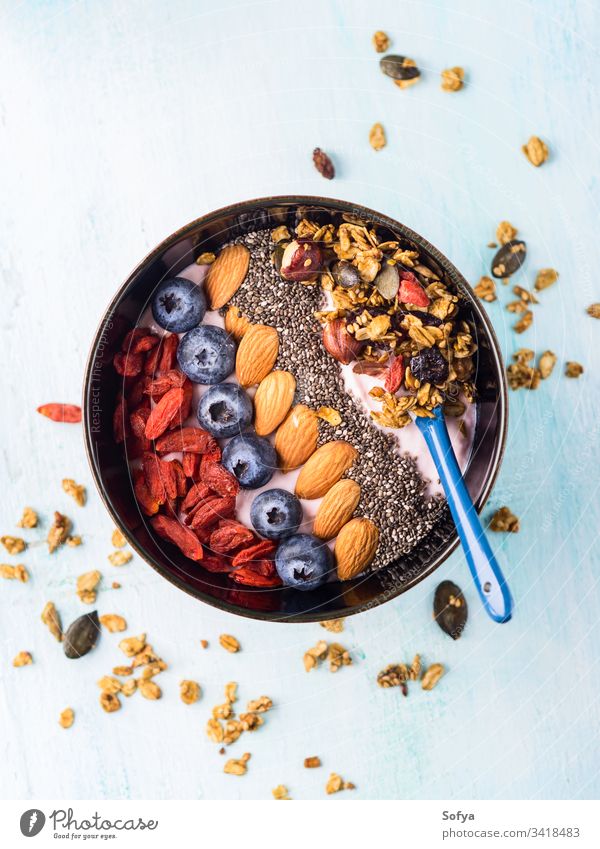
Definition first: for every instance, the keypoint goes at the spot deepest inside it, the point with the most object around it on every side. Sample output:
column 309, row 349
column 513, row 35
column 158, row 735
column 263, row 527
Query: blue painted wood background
column 120, row 121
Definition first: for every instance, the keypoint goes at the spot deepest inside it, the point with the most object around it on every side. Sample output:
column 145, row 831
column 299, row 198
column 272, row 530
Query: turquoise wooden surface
column 121, row 121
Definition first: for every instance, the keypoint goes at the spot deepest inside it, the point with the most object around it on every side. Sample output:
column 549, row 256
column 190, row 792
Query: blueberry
column 251, row 459
column 429, row 366
column 225, row 410
column 206, row 354
column 303, row 562
column 276, row 513
column 178, row 305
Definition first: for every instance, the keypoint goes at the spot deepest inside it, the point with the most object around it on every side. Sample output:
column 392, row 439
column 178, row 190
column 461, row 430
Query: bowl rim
column 339, row 205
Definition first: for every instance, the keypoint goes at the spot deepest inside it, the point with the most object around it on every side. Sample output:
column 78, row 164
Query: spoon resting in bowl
column 487, row 575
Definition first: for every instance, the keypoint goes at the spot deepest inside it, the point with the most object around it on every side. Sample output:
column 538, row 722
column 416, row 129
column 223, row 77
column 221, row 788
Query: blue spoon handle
column 486, row 572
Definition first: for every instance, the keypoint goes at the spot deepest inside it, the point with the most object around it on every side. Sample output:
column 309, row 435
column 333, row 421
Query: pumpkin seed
column 81, row 635
column 399, row 67
column 450, row 609
column 509, row 258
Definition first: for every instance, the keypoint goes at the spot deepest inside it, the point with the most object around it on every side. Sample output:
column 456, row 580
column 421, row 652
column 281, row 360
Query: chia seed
column 392, row 493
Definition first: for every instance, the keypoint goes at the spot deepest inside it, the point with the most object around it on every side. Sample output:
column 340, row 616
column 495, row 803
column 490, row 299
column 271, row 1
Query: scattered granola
column 129, row 687
column 75, row 490
column 280, row 792
column 525, row 295
column 573, row 369
column 120, row 558
column 113, row 622
column 14, row 573
column 73, row 541
column 453, row 79
column 329, row 415
column 323, row 164
column 66, row 718
column 260, row 705
column 51, row 618
column 335, row 626
column 116, row 585
column 521, row 374
column 524, row 323
column 24, row 658
column 204, row 644
column 249, row 721
column 381, row 41
column 335, row 653
column 336, row 783
column 59, row 531
column 545, row 277
column 118, row 539
column 505, row 232
column 432, row 676
column 108, row 684
column 86, row 586
column 486, row 289
column 594, row 310
column 229, row 643
column 206, row 258
column 123, row 671
column 312, row 762
column 504, row 520
column 536, row 151
column 237, row 766
column 377, row 138
column 402, row 70
column 14, row 545
column 130, row 646
column 546, row 364
column 29, row 519
column 189, row 692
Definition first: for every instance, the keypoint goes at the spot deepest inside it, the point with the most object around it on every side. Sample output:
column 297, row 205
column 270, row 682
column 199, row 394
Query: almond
column 236, row 324
column 324, row 468
column 336, row 509
column 296, row 438
column 226, row 275
column 256, row 354
column 355, row 547
column 272, row 401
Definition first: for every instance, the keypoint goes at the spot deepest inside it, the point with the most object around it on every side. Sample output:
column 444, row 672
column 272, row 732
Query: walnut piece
column 504, row 520
column 113, row 622
column 75, row 490
column 59, row 531
column 29, row 519
column 14, row 573
column 453, row 78
column 14, row 545
column 189, row 692
column 381, row 41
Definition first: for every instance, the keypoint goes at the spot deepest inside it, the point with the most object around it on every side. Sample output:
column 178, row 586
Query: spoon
column 489, row 580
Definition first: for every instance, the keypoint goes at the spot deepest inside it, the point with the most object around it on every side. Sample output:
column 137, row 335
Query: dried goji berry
column 156, row 388
column 188, row 397
column 119, row 421
column 218, row 478
column 197, row 493
column 160, row 477
column 179, row 478
column 255, row 552
column 139, row 340
column 138, row 420
column 164, row 413
column 68, row 413
column 187, row 542
column 194, row 440
column 250, row 578
column 214, row 454
column 191, row 464
column 216, row 564
column 411, row 291
column 210, row 511
column 229, row 536
column 128, row 365
column 168, row 353
column 394, row 375
column 148, row 504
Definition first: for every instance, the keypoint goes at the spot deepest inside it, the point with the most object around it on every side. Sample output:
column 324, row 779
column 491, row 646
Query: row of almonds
column 296, row 428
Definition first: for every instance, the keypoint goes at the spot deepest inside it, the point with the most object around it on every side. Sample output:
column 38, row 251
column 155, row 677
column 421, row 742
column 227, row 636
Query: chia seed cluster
column 392, row 493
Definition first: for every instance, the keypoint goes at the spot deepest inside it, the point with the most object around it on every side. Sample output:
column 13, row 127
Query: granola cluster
column 389, row 313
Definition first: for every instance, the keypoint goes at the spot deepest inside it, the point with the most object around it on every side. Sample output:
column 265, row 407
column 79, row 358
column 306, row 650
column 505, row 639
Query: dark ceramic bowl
column 110, row 468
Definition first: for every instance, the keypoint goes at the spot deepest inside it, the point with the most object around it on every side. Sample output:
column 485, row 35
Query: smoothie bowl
column 249, row 402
